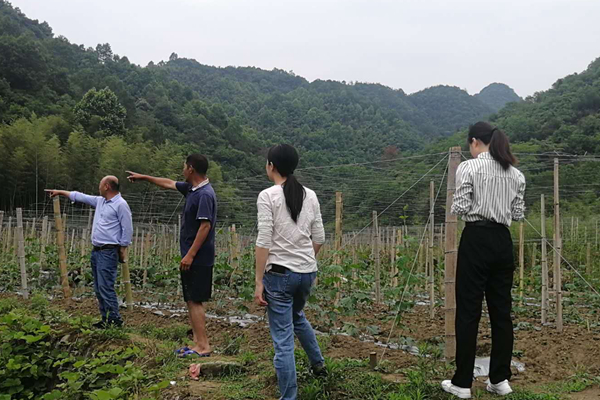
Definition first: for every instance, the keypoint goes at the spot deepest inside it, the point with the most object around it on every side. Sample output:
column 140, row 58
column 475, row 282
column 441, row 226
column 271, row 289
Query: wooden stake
column 32, row 234
column 126, row 279
column 43, row 239
column 393, row 250
column 451, row 257
column 72, row 241
column 588, row 263
column 572, row 228
column 135, row 242
column 1, row 222
column 8, row 236
column 377, row 260
column 339, row 204
column 21, row 240
column 83, row 242
column 521, row 261
column 558, row 250
column 544, row 263
column 431, row 239
column 235, row 263
column 62, row 255
column 146, row 261
column 373, row 360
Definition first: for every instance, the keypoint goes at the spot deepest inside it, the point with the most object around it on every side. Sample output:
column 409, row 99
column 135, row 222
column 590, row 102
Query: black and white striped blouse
column 486, row 191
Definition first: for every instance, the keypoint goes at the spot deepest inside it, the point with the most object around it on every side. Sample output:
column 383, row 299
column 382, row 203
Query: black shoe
column 319, row 370
column 115, row 323
column 100, row 325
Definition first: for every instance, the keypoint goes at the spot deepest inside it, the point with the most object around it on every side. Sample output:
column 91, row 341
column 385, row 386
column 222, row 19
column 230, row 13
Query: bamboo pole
column 521, row 261
column 533, row 262
column 431, row 239
column 83, row 242
column 544, row 263
column 393, row 250
column 43, row 239
column 339, row 204
column 596, row 234
column 62, row 255
column 1, row 222
column 377, row 260
column 451, row 257
column 21, row 244
column 16, row 243
column 558, row 250
column 146, row 260
column 8, row 236
column 588, row 262
column 32, row 234
column 135, row 242
column 572, row 228
column 126, row 279
column 71, row 247
column 234, row 257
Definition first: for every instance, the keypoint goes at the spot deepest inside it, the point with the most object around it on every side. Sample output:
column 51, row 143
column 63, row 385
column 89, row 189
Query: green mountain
column 497, row 95
column 71, row 114
column 76, row 99
column 565, row 117
column 450, row 108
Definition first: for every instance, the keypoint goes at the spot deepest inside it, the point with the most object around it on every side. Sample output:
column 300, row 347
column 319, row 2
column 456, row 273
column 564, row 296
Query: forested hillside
column 101, row 113
column 72, row 114
column 450, row 108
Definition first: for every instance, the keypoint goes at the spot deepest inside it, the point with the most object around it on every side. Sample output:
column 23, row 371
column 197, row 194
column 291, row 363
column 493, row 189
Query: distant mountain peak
column 497, row 95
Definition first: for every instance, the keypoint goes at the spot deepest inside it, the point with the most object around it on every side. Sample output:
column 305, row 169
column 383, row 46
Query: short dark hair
column 114, row 185
column 198, row 162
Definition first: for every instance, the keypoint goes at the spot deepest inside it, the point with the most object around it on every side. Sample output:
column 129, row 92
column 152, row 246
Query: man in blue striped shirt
column 111, row 235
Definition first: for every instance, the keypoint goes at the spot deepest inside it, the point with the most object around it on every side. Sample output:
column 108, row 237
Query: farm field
column 138, row 361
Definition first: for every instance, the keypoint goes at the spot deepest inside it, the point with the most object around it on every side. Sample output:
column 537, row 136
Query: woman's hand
column 259, row 294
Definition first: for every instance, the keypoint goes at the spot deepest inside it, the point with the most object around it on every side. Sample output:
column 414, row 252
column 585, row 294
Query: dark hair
column 198, row 162
column 285, row 159
column 496, row 139
column 114, row 185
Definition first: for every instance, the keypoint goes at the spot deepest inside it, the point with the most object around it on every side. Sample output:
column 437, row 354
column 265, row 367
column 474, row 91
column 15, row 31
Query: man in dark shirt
column 197, row 243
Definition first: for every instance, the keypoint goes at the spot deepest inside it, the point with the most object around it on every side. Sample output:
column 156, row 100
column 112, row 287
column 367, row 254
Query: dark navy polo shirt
column 200, row 204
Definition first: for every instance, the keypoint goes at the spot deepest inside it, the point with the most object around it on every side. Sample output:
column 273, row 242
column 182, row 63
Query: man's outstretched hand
column 134, row 176
column 54, row 192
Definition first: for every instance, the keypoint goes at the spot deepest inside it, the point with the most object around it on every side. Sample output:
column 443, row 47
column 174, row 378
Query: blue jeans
column 104, row 271
column 287, row 294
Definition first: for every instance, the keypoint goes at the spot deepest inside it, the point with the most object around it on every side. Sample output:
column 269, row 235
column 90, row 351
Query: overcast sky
column 407, row 44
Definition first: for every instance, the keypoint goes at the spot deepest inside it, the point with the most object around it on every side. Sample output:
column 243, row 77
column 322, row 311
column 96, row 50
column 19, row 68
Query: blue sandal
column 182, row 350
column 190, row 352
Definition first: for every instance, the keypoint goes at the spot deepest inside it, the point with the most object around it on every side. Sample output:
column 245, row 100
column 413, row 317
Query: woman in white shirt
column 290, row 234
column 489, row 195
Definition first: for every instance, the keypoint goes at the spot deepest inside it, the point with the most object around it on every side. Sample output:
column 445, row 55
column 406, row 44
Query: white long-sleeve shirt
column 486, row 191
column 290, row 243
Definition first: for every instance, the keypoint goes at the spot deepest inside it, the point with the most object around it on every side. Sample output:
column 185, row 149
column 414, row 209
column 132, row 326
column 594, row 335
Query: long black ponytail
column 285, row 159
column 497, row 140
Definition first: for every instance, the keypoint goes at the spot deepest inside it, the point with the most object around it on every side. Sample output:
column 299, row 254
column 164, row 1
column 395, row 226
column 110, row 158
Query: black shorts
column 197, row 283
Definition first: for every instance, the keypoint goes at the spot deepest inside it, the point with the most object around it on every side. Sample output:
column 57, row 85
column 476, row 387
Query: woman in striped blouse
column 290, row 234
column 489, row 196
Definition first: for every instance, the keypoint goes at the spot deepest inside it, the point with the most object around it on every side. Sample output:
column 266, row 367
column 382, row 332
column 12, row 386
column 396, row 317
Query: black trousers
column 485, row 266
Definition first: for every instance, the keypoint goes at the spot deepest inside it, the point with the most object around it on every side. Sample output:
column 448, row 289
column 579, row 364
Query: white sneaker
column 502, row 388
column 459, row 392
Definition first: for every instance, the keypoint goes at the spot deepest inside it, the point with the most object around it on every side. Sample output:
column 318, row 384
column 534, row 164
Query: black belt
column 279, row 269
column 106, row 247
column 486, row 223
